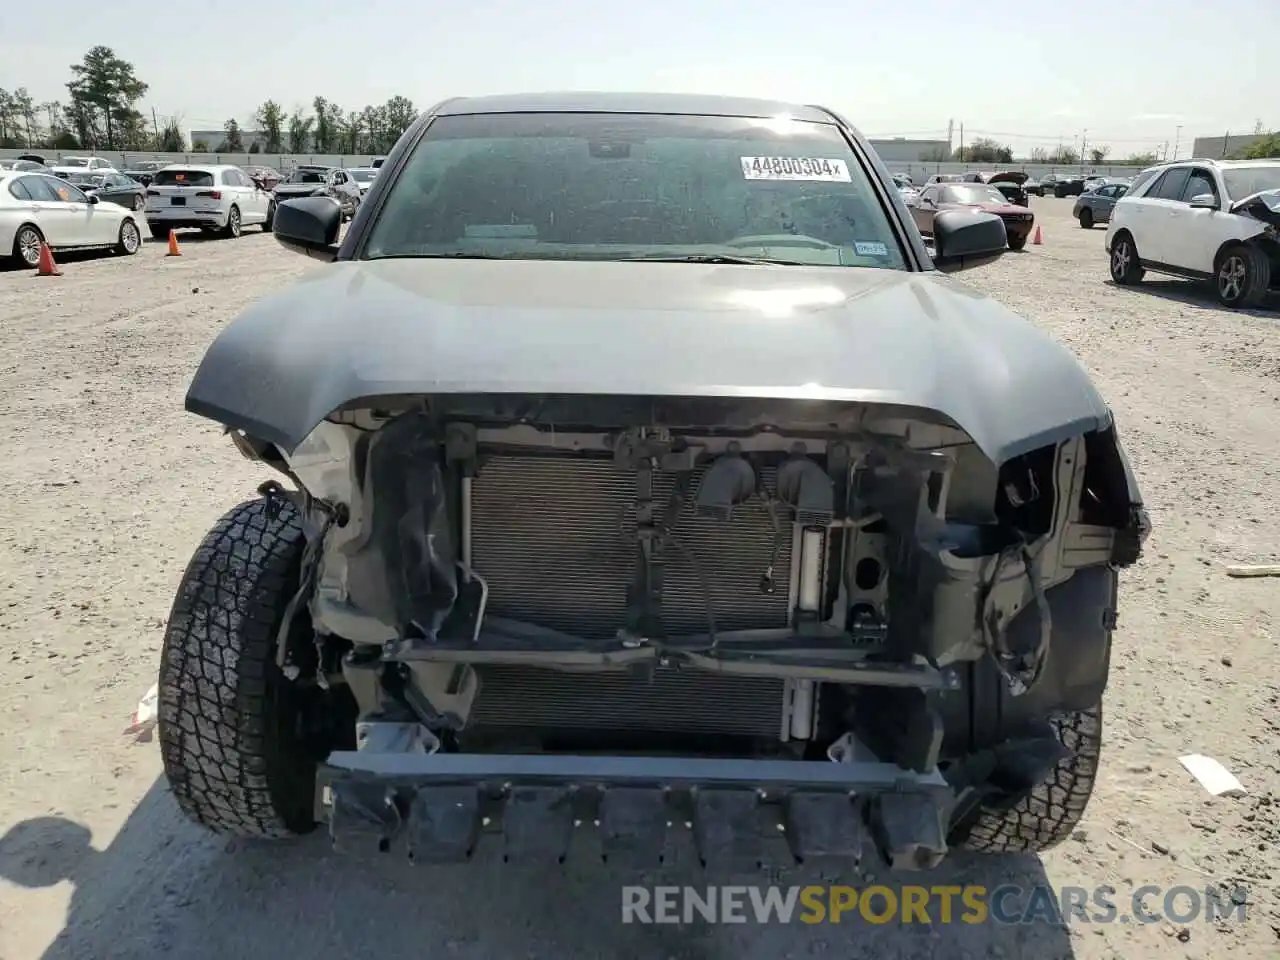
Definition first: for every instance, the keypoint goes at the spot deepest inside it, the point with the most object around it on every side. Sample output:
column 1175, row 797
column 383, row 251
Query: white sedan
column 36, row 208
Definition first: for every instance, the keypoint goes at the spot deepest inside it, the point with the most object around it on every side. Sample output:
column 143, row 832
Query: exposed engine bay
column 609, row 574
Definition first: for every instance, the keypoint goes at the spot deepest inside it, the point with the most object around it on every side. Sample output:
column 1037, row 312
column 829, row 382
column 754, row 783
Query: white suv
column 1215, row 220
column 70, row 165
column 215, row 198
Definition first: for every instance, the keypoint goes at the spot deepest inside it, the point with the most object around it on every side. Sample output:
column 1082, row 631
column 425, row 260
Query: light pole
column 1177, row 135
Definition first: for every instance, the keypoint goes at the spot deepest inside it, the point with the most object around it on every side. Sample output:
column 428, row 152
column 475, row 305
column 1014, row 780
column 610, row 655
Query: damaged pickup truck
column 645, row 489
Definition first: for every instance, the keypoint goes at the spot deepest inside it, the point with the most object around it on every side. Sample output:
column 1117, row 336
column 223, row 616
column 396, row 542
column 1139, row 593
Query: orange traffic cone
column 45, row 266
column 1036, row 239
column 175, row 251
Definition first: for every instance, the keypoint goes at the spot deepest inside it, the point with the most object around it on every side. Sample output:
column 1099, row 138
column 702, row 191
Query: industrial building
column 902, row 150
column 1219, row 148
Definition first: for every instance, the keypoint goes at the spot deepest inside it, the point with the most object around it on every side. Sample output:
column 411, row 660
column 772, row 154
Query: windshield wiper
column 729, row 258
column 455, row 255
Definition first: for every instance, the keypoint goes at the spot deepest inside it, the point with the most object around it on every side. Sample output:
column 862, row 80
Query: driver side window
column 1200, row 183
column 41, row 189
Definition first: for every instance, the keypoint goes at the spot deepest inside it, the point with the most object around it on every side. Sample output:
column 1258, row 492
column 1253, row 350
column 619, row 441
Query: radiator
column 676, row 701
column 554, row 539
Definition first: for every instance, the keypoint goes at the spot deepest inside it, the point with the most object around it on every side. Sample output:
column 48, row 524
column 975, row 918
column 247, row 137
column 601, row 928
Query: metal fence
column 918, row 171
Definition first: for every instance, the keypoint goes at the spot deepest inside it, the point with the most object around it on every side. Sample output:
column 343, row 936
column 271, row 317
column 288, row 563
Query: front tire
column 159, row 231
column 229, row 724
column 1242, row 277
column 1126, row 269
column 26, row 245
column 232, row 229
column 1049, row 814
column 129, row 241
column 271, row 218
column 1086, row 218
column 1017, row 243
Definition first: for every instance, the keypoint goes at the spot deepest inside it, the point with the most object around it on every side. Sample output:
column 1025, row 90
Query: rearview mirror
column 309, row 225
column 963, row 239
column 91, row 196
column 1204, row 201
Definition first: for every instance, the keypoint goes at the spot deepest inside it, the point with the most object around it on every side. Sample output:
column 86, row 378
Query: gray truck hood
column 357, row 329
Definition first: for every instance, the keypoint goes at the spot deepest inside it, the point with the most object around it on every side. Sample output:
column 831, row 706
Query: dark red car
column 1018, row 221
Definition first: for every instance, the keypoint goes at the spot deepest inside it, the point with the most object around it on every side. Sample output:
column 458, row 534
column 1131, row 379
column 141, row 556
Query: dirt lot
column 108, row 485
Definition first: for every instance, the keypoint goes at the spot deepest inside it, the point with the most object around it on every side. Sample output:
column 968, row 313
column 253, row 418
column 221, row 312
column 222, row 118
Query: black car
column 1069, row 185
column 144, row 171
column 1011, row 183
column 308, row 180
column 114, row 188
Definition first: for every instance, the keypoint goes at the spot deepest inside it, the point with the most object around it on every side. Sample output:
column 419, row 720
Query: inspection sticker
column 795, row 168
column 868, row 249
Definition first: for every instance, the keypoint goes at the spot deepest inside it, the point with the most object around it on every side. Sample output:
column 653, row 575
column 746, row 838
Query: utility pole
column 951, row 125
column 1084, row 141
column 1164, row 152
column 962, row 141
column 1177, row 137
column 155, row 125
column 1226, row 139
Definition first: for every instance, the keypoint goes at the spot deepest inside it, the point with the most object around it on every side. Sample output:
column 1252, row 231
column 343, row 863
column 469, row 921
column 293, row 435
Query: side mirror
column 1204, row 201
column 92, row 195
column 963, row 239
column 309, row 225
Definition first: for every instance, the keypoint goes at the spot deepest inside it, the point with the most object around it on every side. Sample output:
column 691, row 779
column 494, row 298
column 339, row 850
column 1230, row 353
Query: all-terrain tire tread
column 1050, row 813
column 219, row 644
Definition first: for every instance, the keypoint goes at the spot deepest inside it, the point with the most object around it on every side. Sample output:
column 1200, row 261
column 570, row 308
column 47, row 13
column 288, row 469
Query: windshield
column 73, row 162
column 625, row 186
column 971, row 193
column 303, row 175
column 1244, row 182
column 364, row 176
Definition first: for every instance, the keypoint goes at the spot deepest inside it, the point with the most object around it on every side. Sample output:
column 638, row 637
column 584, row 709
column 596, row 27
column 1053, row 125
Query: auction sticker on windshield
column 795, row 168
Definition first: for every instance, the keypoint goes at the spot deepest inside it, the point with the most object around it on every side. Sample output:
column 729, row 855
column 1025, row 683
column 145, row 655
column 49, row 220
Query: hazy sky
column 1128, row 71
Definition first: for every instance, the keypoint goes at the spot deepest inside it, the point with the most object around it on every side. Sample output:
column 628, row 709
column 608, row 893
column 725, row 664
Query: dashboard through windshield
column 634, row 186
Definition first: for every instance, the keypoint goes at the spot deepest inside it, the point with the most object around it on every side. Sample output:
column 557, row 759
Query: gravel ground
column 108, row 486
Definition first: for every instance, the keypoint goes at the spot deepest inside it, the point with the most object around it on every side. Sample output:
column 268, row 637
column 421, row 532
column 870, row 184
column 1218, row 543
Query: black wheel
column 230, row 725
column 26, row 245
column 129, row 241
column 1125, row 267
column 1017, row 243
column 271, row 217
column 1243, row 276
column 1086, row 218
column 232, row 229
column 159, row 231
column 1047, row 816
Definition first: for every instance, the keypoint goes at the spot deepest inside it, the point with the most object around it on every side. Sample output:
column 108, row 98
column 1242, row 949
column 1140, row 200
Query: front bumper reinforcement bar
column 640, row 810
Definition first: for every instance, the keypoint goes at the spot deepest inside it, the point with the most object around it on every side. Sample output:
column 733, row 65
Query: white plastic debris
column 1213, row 776
column 144, row 718
column 1254, row 570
